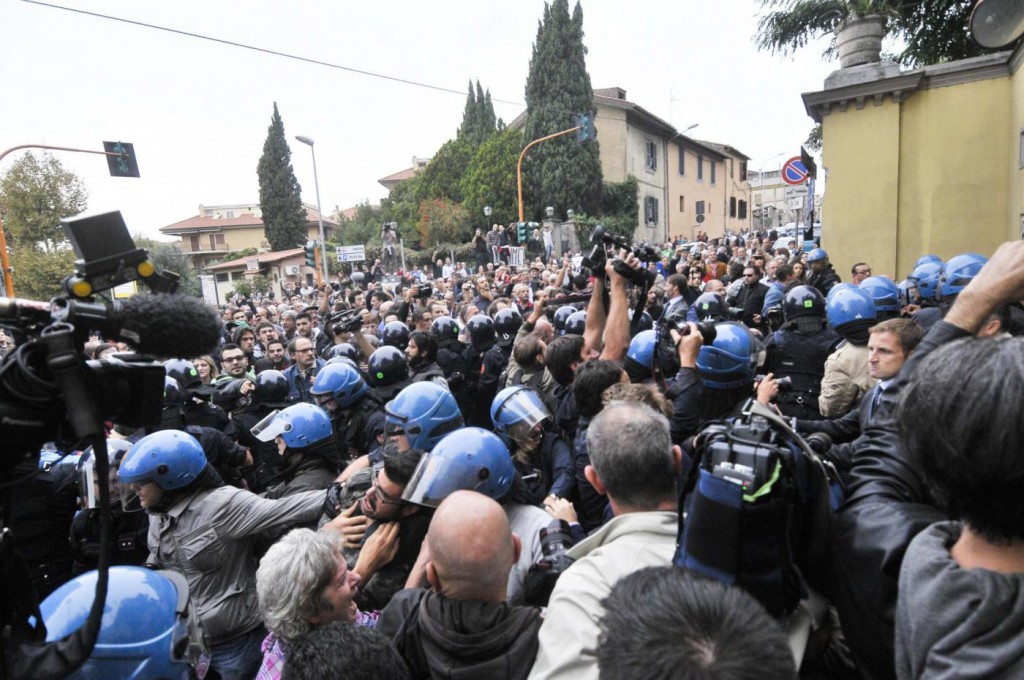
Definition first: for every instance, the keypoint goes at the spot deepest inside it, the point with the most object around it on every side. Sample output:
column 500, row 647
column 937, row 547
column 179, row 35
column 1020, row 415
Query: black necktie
column 875, row 400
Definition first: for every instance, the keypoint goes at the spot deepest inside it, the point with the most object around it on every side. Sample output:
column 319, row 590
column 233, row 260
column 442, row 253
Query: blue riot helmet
column 927, row 277
column 838, row 287
column 816, row 255
column 849, row 307
column 424, row 413
column 927, row 258
column 640, row 357
column 300, row 426
column 958, row 272
column 884, row 292
column 148, row 631
column 470, row 459
column 338, row 382
column 519, row 414
column 711, row 307
column 731, row 360
column 561, row 316
column 576, row 324
column 171, row 459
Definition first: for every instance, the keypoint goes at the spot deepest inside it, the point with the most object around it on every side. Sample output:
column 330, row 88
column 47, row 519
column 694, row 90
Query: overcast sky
column 197, row 111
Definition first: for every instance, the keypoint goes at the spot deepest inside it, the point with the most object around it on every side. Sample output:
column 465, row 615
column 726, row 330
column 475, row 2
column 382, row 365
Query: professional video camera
column 348, row 321
column 49, row 392
column 601, row 242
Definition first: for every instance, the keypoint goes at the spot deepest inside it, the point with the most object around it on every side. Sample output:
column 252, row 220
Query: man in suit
column 675, row 286
column 889, row 346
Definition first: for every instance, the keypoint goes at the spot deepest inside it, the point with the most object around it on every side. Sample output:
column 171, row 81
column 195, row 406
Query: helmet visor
column 271, row 427
column 523, row 407
column 88, row 481
column 129, row 493
column 427, row 486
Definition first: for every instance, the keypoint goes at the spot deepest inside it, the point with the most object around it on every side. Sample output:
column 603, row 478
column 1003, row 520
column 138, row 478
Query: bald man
column 462, row 625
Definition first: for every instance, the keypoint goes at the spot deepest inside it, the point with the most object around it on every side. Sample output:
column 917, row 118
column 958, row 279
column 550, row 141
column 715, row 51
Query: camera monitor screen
column 99, row 236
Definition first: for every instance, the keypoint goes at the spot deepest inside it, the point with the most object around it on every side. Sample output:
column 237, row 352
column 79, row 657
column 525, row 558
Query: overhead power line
column 264, row 50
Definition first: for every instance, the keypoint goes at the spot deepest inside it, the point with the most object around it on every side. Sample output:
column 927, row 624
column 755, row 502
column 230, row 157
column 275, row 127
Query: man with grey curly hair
column 302, row 583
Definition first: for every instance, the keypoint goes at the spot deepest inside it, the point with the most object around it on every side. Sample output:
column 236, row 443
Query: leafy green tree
column 490, row 178
column 478, row 120
column 168, row 256
column 284, row 218
column 39, row 274
column 363, row 226
column 35, row 193
column 932, row 32
column 442, row 221
column 442, row 178
column 560, row 172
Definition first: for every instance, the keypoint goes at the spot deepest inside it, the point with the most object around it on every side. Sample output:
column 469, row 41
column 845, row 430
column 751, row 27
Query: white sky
column 197, row 111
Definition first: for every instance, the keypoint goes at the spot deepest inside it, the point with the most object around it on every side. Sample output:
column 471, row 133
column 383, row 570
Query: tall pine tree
column 561, row 172
column 284, row 218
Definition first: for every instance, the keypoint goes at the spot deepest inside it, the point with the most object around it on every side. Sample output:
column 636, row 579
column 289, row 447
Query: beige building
column 708, row 189
column 392, row 181
column 221, row 229
column 284, row 268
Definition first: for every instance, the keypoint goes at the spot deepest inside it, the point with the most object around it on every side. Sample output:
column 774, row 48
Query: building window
column 652, row 156
column 1020, row 165
column 732, row 206
column 731, row 168
column 682, row 205
column 682, row 160
column 699, row 207
column 743, row 210
column 222, row 278
column 650, row 211
column 743, row 171
column 712, row 164
column 700, row 167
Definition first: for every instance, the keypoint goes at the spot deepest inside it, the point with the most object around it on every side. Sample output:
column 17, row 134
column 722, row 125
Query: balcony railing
column 189, row 247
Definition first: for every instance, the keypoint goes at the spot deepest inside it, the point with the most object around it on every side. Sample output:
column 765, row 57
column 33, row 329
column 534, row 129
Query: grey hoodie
column 953, row 622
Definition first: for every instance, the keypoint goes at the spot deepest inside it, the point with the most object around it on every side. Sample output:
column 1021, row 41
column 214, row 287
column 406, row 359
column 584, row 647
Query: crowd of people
column 484, row 471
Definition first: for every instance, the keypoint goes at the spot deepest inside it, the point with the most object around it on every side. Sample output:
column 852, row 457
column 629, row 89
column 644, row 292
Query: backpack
column 758, row 508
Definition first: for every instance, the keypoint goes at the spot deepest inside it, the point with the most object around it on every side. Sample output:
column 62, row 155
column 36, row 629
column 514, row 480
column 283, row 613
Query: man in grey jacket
column 204, row 531
column 961, row 590
column 635, row 464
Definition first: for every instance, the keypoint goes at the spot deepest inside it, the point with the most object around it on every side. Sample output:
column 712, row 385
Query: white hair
column 291, row 580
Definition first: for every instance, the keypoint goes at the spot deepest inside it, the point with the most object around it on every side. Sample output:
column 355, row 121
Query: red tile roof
column 265, row 258
column 200, row 223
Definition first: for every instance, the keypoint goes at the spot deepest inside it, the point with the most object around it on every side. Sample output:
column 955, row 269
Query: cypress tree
column 468, row 129
column 561, row 172
column 284, row 218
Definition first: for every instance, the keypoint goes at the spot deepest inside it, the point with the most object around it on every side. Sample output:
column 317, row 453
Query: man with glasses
column 750, row 298
column 237, row 380
column 859, row 271
column 305, row 366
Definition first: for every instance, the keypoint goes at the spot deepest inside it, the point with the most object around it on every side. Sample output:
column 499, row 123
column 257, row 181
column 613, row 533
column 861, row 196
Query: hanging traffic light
column 585, row 122
column 310, row 250
column 521, row 232
column 124, row 164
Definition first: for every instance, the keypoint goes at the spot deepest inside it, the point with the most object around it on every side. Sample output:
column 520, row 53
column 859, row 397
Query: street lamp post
column 319, row 213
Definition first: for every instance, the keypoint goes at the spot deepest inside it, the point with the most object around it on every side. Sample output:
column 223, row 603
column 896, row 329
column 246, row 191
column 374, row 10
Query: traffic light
column 124, row 164
column 585, row 122
column 521, row 232
column 310, row 250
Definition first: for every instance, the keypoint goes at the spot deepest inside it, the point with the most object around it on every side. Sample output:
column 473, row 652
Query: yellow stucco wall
column 954, row 187
column 610, row 126
column 936, row 173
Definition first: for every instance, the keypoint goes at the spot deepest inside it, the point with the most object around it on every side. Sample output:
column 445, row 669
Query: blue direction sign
column 794, row 171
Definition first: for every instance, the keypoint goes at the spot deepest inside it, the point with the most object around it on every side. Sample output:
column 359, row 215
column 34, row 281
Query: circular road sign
column 794, row 171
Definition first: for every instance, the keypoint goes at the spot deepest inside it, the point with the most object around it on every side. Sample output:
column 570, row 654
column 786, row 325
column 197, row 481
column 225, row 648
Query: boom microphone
column 158, row 325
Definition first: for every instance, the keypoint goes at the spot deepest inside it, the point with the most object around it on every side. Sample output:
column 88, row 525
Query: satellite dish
column 997, row 23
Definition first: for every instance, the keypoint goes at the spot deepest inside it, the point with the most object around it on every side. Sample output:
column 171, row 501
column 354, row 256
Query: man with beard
column 421, row 353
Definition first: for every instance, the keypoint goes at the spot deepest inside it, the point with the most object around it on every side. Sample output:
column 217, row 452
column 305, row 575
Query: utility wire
column 264, row 50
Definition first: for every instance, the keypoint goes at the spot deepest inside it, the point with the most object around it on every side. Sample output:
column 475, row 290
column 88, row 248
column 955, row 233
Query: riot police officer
column 798, row 351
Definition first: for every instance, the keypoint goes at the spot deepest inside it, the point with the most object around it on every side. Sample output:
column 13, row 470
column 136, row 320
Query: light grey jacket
column 207, row 537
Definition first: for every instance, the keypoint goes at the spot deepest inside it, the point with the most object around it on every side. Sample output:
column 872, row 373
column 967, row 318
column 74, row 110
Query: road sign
column 351, row 253
column 794, row 171
column 797, row 191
